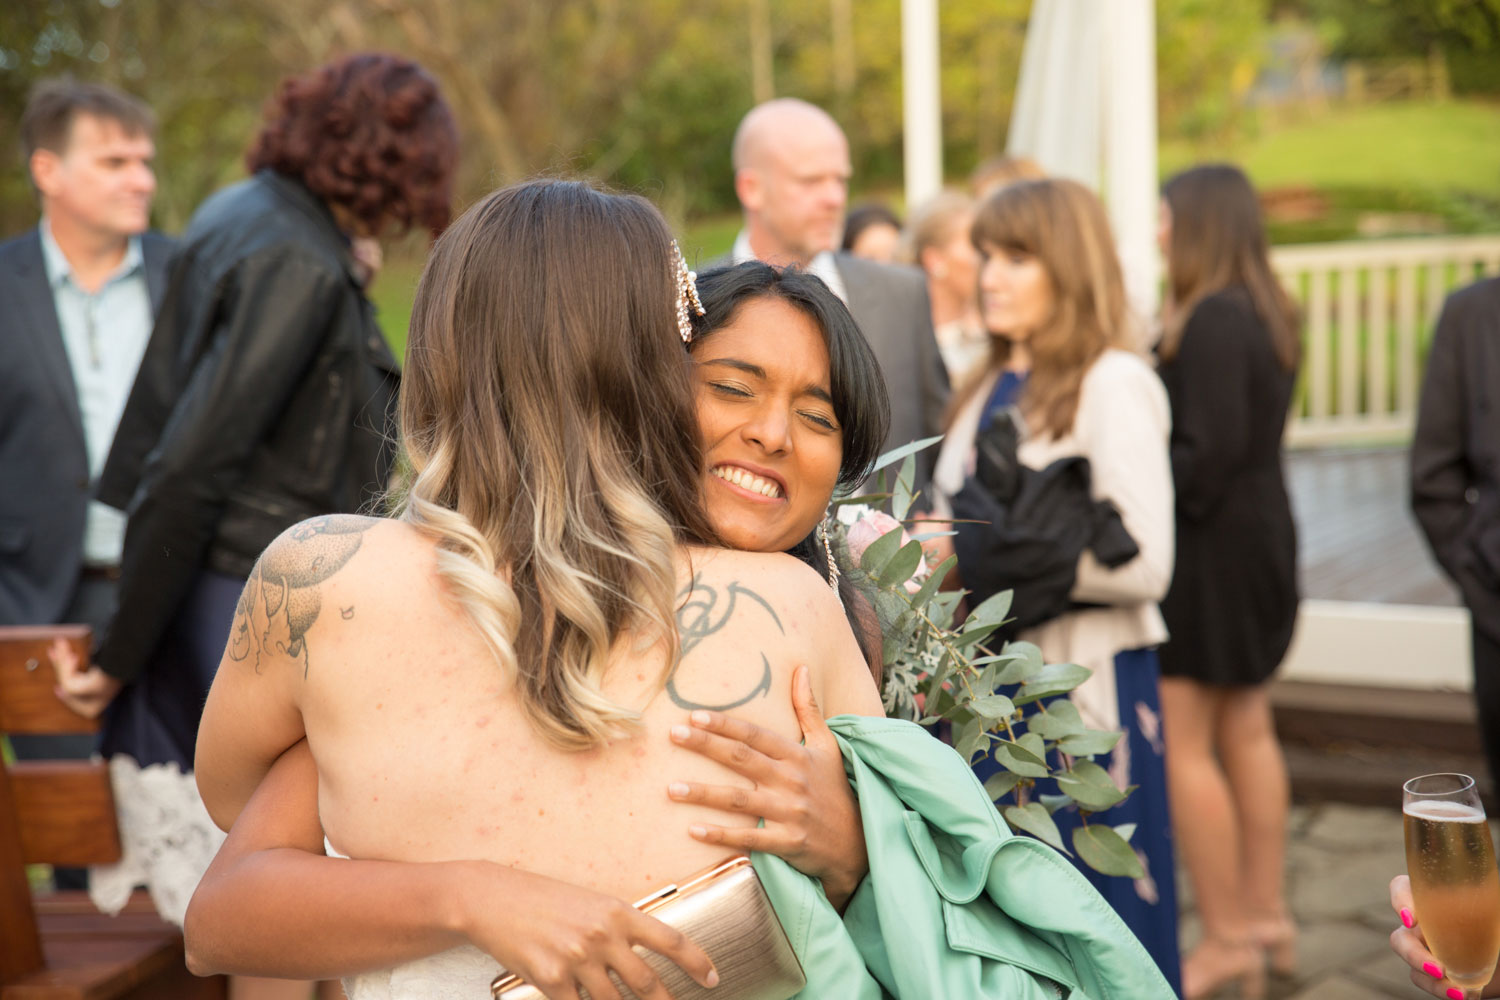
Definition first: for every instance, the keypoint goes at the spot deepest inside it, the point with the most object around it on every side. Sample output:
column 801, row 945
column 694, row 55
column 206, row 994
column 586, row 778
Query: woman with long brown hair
column 1054, row 303
column 1229, row 354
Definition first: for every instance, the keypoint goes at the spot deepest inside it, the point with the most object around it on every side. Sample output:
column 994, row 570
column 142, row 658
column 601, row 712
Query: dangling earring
column 833, row 566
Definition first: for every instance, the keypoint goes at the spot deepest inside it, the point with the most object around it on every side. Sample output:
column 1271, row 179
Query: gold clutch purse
column 725, row 911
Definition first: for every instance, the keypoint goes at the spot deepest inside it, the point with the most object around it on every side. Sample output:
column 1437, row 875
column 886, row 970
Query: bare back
column 424, row 752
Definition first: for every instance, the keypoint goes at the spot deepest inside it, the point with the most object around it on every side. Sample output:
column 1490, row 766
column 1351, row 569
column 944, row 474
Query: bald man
column 791, row 173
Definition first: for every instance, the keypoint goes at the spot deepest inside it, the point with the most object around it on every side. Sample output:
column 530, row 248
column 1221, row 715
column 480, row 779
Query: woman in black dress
column 1229, row 354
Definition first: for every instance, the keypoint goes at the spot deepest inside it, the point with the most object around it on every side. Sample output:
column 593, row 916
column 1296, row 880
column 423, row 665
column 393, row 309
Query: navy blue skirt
column 155, row 718
column 1147, row 906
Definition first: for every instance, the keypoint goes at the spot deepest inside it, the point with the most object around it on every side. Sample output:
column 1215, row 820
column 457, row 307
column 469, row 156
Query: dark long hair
column 1219, row 241
column 861, row 403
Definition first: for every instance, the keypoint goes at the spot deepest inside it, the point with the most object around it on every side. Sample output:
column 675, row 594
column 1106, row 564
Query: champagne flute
column 1454, row 884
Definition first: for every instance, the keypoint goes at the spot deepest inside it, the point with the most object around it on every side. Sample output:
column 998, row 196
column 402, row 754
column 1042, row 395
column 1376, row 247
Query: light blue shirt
column 105, row 334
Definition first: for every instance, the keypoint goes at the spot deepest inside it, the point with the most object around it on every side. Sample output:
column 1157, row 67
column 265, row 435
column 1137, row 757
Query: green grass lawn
column 1452, row 146
column 1438, row 160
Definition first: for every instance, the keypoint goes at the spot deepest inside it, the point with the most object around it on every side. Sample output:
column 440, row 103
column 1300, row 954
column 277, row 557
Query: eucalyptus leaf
column 1087, row 788
column 1015, row 757
column 902, row 565
column 905, row 491
column 942, row 607
column 1033, row 742
column 934, row 580
column 1088, row 796
column 1091, row 773
column 889, row 606
column 1035, row 820
column 970, row 739
column 1064, row 709
column 1013, row 669
column 1126, row 831
column 1053, row 679
column 1105, row 851
column 880, row 551
column 1087, row 744
column 1055, row 802
column 1001, row 783
column 927, row 536
column 1031, row 653
column 1055, row 725
column 993, row 706
column 864, row 500
column 899, row 633
column 969, row 636
column 992, row 611
column 897, row 454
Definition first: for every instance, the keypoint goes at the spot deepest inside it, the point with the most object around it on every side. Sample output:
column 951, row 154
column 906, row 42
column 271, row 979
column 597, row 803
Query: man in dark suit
column 791, row 173
column 80, row 292
column 1455, row 477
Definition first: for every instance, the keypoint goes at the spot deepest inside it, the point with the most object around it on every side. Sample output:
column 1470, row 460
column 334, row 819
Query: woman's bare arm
column 272, row 904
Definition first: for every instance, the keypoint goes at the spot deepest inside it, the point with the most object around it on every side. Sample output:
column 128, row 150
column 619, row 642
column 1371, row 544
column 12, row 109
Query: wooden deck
column 1356, row 537
column 1375, row 686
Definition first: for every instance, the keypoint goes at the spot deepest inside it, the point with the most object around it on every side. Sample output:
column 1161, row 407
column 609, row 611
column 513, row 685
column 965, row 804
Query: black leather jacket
column 266, row 396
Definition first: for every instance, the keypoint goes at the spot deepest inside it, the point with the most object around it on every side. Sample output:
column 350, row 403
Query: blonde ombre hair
column 1062, row 224
column 547, row 413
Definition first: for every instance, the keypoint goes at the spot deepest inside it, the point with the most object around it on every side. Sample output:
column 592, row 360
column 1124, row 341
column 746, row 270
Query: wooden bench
column 58, row 946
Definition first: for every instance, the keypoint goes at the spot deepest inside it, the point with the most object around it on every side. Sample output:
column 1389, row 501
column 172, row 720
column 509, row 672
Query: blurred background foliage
column 1366, row 106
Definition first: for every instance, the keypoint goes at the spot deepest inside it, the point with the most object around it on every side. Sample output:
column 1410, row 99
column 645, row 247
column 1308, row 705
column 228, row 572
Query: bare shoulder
column 787, row 584
column 328, row 561
column 781, row 598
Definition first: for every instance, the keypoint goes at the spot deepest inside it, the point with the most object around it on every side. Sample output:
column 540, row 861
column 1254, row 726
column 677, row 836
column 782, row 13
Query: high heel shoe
column 1216, row 963
column 1278, row 939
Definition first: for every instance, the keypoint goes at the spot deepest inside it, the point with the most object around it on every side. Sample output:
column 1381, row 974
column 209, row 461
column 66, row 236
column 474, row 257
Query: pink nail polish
column 1454, row 993
column 1431, row 968
column 1406, row 919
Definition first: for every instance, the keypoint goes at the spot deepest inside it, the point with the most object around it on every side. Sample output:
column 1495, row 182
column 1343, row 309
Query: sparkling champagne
column 1455, row 887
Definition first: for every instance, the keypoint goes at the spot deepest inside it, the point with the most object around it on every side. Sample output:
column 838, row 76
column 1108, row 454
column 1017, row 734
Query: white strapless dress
column 463, row 973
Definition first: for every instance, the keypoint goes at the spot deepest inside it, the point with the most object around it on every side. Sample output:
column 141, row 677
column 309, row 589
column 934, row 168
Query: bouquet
column 1007, row 703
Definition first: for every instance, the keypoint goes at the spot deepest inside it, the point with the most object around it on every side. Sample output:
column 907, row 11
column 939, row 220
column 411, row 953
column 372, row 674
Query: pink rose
column 874, row 525
column 867, row 529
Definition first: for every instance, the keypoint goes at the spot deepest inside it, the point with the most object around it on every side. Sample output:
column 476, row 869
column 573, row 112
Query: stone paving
column 1340, row 861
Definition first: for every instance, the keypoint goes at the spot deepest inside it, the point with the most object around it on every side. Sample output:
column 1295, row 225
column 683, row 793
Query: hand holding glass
column 1455, row 887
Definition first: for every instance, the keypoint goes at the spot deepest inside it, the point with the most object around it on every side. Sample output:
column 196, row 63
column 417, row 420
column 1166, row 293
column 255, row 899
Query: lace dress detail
column 462, row 973
column 166, row 838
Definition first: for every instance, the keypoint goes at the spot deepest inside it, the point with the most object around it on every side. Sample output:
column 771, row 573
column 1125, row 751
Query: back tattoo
column 281, row 600
column 705, row 611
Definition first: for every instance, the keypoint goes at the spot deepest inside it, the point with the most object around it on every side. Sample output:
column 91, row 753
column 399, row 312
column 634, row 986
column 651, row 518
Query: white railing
column 1368, row 312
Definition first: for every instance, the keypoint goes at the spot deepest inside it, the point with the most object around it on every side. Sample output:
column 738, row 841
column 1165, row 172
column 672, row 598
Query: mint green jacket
column 955, row 905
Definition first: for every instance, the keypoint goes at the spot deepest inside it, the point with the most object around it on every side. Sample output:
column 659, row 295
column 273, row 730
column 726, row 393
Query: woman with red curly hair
column 265, row 395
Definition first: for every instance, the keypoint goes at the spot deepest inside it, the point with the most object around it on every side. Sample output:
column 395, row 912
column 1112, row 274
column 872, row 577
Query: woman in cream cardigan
column 1052, row 298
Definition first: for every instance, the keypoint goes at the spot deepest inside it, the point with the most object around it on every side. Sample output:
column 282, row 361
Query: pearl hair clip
column 687, row 294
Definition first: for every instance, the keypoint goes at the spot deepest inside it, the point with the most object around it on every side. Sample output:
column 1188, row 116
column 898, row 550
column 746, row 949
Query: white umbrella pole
column 922, row 112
